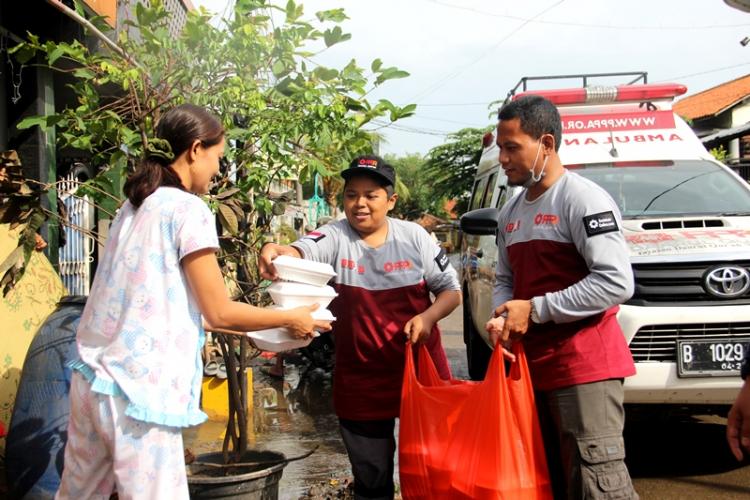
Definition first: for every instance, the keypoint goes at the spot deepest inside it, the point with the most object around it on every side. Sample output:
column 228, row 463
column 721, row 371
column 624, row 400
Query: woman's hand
column 301, row 324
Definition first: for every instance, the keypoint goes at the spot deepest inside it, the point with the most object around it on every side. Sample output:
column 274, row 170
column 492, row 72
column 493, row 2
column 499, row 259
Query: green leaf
column 32, row 121
column 53, row 56
column 335, row 15
column 376, row 65
column 84, row 73
column 325, row 74
column 334, row 36
column 390, row 74
column 279, row 69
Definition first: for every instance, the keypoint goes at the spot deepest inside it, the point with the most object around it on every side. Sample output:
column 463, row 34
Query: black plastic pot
column 252, row 483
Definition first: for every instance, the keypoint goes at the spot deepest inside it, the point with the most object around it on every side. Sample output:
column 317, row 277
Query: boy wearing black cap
column 386, row 269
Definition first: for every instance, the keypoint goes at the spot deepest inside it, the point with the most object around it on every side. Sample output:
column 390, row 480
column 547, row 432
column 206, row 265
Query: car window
column 685, row 187
column 476, row 197
column 488, row 192
column 502, row 197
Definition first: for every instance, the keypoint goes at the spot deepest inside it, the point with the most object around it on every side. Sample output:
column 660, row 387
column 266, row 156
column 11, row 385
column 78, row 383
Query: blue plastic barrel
column 35, row 445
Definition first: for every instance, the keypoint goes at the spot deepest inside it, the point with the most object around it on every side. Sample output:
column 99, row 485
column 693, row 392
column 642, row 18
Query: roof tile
column 714, row 100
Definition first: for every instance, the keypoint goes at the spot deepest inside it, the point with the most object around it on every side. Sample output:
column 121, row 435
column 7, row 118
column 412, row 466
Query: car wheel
column 477, row 351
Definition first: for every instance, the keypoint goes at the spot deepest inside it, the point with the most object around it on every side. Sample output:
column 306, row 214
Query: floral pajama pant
column 107, row 450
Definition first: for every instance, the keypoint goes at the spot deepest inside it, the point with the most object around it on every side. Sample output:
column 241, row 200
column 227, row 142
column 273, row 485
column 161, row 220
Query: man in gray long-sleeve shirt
column 562, row 271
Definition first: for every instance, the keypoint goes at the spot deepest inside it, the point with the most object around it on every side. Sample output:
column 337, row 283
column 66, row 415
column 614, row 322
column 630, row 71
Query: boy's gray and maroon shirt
column 380, row 289
column 566, row 250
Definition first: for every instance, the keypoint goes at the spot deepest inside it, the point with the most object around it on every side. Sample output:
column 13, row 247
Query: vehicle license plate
column 711, row 358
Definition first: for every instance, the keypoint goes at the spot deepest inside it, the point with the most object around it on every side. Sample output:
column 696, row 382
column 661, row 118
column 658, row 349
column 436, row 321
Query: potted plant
column 286, row 118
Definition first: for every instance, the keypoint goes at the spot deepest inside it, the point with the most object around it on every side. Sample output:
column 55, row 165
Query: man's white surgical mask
column 533, row 178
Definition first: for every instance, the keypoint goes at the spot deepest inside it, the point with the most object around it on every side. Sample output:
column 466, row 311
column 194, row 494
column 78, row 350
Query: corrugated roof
column 714, row 100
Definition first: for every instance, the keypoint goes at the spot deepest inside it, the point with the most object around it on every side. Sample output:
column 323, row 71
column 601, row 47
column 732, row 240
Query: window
column 476, row 197
column 685, row 187
column 488, row 192
column 502, row 197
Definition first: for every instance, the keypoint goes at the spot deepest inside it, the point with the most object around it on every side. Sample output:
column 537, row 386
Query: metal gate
column 77, row 254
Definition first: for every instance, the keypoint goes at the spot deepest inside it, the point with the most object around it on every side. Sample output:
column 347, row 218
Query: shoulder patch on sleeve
column 442, row 260
column 314, row 236
column 601, row 223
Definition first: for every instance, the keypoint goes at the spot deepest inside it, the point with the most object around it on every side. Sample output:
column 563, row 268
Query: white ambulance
column 687, row 223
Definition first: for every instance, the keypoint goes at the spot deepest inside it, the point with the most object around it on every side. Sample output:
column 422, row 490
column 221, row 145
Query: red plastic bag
column 462, row 439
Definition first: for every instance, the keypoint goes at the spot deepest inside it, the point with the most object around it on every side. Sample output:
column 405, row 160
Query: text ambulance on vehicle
column 686, row 218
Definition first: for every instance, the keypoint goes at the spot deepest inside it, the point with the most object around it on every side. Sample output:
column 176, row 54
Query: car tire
column 477, row 351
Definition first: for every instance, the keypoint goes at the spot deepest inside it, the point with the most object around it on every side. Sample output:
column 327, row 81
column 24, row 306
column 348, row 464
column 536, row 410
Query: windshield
column 685, row 187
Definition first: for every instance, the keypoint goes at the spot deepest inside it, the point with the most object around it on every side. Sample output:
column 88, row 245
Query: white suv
column 686, row 218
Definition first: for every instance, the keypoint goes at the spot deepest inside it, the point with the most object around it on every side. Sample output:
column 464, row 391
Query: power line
column 450, row 76
column 715, row 70
column 587, row 25
column 422, row 117
column 413, row 130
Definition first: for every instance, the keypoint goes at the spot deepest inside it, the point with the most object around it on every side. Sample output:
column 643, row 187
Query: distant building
column 720, row 116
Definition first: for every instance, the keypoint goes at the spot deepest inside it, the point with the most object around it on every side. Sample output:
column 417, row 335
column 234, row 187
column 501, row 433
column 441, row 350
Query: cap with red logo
column 371, row 165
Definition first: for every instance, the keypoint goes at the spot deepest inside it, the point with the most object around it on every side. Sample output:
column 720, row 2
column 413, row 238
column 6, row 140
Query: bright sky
column 464, row 54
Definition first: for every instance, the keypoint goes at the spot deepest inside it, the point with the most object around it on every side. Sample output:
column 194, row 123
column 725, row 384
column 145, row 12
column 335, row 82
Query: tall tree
column 416, row 189
column 285, row 115
column 451, row 166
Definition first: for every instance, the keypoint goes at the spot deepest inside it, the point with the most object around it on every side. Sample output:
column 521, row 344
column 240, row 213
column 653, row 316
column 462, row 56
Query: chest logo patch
column 512, row 226
column 546, row 219
column 350, row 264
column 600, row 223
column 314, row 236
column 399, row 265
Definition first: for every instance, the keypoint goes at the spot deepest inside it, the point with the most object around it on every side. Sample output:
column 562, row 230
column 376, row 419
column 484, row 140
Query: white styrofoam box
column 320, row 314
column 288, row 294
column 303, row 270
column 277, row 340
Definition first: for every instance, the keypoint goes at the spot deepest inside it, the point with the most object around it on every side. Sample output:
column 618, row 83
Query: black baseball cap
column 371, row 165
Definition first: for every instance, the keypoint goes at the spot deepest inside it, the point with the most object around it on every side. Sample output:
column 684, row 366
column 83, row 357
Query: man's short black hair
column 537, row 115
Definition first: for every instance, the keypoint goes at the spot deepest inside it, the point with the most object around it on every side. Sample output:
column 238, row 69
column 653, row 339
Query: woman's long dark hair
column 180, row 126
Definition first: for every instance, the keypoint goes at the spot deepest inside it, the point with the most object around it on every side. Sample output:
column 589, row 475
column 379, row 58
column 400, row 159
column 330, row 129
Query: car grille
column 659, row 342
column 676, row 283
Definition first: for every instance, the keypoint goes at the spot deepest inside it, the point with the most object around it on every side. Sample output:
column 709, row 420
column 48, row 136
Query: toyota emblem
column 727, row 282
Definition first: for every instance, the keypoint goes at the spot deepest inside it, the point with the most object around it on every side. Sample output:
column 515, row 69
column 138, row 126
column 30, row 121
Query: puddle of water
column 292, row 417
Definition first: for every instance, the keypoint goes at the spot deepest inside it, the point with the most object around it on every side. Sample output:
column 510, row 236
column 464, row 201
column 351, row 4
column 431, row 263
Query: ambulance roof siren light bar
column 608, row 94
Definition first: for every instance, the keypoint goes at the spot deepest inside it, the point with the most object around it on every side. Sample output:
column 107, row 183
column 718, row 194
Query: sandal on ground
column 211, row 368
column 221, row 372
column 269, row 370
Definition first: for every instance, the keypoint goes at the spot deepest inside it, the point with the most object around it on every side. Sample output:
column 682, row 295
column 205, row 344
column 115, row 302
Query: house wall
column 23, row 310
column 740, row 116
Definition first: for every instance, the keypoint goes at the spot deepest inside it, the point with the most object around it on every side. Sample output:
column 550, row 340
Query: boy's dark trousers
column 371, row 447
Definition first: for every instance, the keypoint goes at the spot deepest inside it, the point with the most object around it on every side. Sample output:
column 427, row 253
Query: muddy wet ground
column 669, row 458
column 295, row 414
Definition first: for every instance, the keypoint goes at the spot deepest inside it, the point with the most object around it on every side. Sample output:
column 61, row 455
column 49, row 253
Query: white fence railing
column 77, row 255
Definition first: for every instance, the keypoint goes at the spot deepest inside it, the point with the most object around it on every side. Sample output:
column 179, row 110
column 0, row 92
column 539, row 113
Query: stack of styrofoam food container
column 301, row 282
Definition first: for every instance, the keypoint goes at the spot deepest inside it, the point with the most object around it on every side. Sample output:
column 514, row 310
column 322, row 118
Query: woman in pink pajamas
column 137, row 381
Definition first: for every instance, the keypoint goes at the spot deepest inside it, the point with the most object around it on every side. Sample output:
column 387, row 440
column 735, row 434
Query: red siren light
column 605, row 94
column 487, row 140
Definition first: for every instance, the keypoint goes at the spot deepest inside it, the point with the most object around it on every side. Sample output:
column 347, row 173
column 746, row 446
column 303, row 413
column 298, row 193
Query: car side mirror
column 480, row 222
